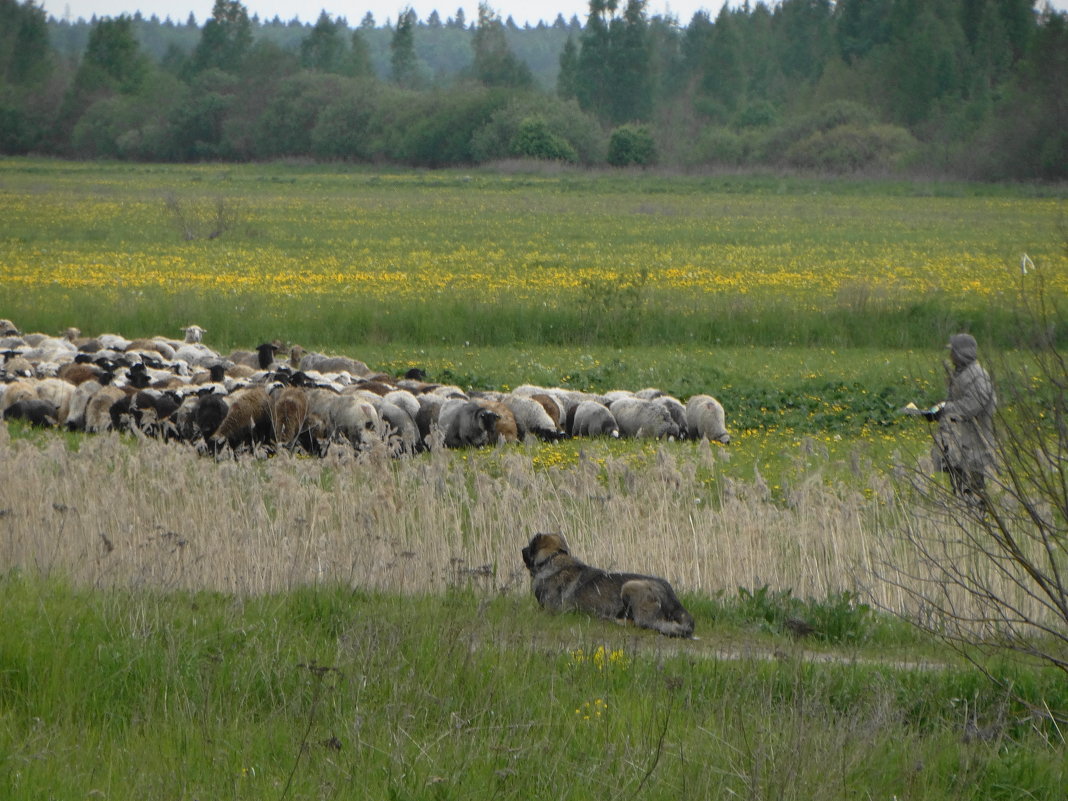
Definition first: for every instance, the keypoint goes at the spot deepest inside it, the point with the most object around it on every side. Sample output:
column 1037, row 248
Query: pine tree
column 225, row 40
column 323, row 49
column 860, row 25
column 358, row 63
column 113, row 59
column 495, row 64
column 804, row 37
column 25, row 55
column 567, row 78
column 402, row 50
column 611, row 74
column 592, row 72
column 459, row 21
column 629, row 78
column 723, row 77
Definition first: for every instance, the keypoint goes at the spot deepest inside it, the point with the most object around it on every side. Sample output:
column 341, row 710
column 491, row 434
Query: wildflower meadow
column 181, row 626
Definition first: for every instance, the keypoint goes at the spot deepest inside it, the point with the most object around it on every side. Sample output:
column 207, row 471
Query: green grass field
column 330, row 693
column 292, row 628
column 349, row 258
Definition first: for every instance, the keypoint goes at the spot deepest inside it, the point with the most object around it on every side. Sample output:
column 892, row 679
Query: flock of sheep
column 182, row 390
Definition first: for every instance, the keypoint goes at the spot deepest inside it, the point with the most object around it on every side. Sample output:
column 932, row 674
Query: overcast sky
column 353, row 10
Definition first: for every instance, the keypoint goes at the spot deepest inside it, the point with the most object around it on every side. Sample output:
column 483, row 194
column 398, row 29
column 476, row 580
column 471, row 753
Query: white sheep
column 531, row 418
column 405, row 399
column 643, row 418
column 194, row 333
column 196, row 354
column 593, row 419
column 397, row 427
column 50, row 349
column 57, row 392
column 113, row 342
column 469, row 424
column 20, row 390
column 616, row 394
column 349, row 417
column 333, row 364
column 676, row 410
column 705, row 419
column 74, row 418
column 649, row 393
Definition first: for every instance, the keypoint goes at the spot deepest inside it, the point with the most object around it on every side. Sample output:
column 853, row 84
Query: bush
column 717, row 145
column 440, row 128
column 823, row 119
column 631, row 145
column 285, row 129
column 563, row 118
column 758, row 114
column 536, row 140
column 851, row 147
column 343, row 127
column 17, row 134
column 840, row 618
column 96, row 133
column 841, row 112
column 197, row 121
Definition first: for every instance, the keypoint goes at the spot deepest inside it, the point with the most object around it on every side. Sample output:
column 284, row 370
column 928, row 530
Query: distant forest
column 970, row 89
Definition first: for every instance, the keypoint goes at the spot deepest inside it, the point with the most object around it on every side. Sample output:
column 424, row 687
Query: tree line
column 961, row 88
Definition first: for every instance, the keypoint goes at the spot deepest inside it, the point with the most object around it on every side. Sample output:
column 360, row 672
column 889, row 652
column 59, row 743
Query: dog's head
column 542, row 548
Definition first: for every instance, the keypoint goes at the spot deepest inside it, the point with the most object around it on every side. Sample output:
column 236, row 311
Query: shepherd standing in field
column 964, row 441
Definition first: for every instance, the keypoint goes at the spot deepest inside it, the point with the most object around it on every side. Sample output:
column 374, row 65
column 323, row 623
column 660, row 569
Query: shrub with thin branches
column 992, row 572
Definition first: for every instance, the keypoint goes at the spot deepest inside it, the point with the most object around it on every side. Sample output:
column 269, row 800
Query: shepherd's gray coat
column 965, row 437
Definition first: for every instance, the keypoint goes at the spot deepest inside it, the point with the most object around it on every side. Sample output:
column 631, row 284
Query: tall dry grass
column 154, row 515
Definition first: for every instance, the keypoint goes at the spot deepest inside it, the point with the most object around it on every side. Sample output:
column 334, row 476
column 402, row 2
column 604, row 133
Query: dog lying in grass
column 562, row 583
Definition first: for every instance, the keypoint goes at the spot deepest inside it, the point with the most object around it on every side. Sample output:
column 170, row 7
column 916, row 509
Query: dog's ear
column 563, row 544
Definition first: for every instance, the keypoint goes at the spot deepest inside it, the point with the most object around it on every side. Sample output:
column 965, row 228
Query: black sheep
column 34, row 411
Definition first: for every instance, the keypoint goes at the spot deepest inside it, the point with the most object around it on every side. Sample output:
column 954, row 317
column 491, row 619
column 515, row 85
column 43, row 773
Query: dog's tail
column 673, row 628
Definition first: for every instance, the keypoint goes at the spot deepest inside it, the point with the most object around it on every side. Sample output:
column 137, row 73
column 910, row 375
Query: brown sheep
column 552, row 407
column 98, row 411
column 17, row 365
column 78, row 372
column 289, row 407
column 377, row 387
column 248, row 420
column 150, row 346
column 506, row 427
